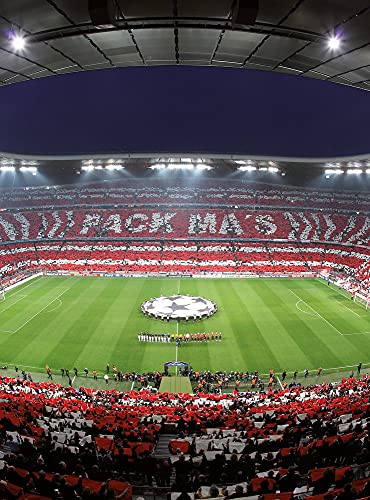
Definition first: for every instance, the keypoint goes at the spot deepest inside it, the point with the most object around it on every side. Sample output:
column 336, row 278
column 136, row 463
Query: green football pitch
column 284, row 324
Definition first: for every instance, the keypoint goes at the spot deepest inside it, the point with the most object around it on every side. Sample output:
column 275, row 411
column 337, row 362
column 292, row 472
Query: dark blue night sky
column 184, row 109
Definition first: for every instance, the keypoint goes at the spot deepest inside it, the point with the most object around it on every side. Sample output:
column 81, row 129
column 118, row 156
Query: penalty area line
column 32, row 282
column 337, row 290
column 356, row 333
column 12, row 304
column 317, row 313
column 34, row 316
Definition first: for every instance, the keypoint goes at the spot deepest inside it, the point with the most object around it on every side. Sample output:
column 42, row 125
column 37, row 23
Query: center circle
column 179, row 307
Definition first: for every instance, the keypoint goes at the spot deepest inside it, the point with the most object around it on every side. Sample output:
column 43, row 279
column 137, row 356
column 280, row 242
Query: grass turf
column 283, row 324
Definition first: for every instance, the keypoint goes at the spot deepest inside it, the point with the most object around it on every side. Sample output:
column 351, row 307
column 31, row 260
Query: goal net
column 360, row 298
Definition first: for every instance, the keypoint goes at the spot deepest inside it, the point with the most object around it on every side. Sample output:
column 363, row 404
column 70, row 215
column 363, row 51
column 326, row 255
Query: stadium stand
column 299, row 441
column 125, row 228
column 59, row 442
column 198, row 257
column 211, row 192
column 143, row 222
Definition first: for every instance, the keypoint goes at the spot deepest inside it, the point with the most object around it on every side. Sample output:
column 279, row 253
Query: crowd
column 216, row 192
column 171, row 256
column 202, row 381
column 85, row 443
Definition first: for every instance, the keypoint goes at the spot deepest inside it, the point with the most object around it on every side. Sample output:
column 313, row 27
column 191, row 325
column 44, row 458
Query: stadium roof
column 289, row 36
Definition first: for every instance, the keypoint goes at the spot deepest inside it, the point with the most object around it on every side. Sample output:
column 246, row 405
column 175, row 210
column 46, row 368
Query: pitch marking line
column 54, row 308
column 324, row 319
column 299, row 309
column 11, row 305
column 316, row 313
column 34, row 316
column 354, row 312
column 356, row 333
column 345, row 296
column 23, row 288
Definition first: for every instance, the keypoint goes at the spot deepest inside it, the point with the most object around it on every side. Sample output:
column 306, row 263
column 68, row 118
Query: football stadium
column 184, row 250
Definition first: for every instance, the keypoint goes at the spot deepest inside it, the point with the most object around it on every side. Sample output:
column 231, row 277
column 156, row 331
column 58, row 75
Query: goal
column 360, row 298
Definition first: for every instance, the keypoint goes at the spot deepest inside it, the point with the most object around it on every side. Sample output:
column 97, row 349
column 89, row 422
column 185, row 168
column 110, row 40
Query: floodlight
column 247, row 168
column 7, row 168
column 33, row 170
column 87, row 168
column 273, row 169
column 354, row 171
column 334, row 43
column 368, row 170
column 180, row 166
column 18, row 42
column 115, row 166
column 203, row 166
column 334, row 171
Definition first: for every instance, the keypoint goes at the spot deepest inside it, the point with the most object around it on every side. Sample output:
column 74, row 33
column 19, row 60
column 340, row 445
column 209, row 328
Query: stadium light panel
column 114, row 166
column 87, row 168
column 273, row 169
column 32, row 170
column 247, row 168
column 203, row 166
column 263, row 168
column 334, row 171
column 98, row 167
column 240, row 162
column 334, row 43
column 368, row 170
column 180, row 166
column 158, row 166
column 354, row 171
column 18, row 42
column 7, row 168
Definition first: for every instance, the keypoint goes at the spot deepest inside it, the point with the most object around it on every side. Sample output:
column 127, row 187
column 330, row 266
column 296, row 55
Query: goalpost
column 362, row 299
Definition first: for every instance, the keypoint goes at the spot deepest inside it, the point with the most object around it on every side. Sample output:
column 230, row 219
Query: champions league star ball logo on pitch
column 179, row 307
